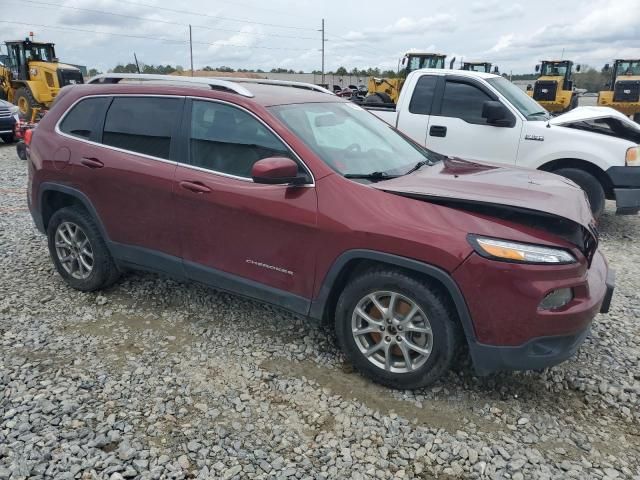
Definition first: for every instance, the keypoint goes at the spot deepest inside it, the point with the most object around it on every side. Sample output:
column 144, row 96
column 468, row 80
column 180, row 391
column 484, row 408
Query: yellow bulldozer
column 31, row 76
column 554, row 87
column 387, row 90
column 623, row 91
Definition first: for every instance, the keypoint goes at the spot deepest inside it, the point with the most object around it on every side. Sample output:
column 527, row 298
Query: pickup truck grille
column 69, row 77
column 5, row 113
column 627, row 91
column 545, row 90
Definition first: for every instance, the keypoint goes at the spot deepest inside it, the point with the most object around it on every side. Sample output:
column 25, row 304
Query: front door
column 456, row 127
column 236, row 234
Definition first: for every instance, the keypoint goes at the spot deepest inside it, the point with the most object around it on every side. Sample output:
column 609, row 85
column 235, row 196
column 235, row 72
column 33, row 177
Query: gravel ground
column 159, row 379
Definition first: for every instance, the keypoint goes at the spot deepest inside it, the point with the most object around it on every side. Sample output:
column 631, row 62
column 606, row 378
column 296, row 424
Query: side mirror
column 496, row 114
column 606, row 67
column 578, row 68
column 496, row 70
column 537, row 68
column 276, row 171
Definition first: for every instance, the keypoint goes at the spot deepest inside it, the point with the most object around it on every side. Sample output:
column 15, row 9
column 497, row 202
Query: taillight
column 27, row 136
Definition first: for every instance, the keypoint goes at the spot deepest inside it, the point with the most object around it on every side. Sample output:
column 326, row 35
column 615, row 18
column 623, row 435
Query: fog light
column 556, row 299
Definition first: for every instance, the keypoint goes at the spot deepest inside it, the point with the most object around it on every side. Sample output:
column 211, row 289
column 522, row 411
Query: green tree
column 341, row 71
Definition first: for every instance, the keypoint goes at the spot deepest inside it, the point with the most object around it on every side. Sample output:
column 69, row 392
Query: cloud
column 405, row 26
column 496, row 9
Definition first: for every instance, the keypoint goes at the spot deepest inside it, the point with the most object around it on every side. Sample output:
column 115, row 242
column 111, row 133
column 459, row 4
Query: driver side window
column 463, row 101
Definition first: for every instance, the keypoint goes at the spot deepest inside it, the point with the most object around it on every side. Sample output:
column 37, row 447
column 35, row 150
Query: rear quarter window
column 84, row 117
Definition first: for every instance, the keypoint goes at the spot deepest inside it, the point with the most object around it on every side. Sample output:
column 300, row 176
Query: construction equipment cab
column 623, row 91
column 387, row 90
column 484, row 67
column 554, row 87
column 31, row 76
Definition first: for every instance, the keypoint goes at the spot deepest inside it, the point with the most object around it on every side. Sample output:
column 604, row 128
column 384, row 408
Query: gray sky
column 283, row 33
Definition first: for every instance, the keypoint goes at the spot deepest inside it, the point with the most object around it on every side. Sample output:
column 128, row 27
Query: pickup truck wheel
column 588, row 183
column 79, row 252
column 395, row 329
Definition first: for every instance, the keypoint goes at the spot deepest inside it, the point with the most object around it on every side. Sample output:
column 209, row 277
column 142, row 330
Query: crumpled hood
column 582, row 114
column 459, row 182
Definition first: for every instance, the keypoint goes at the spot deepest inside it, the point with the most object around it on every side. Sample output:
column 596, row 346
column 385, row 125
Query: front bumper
column 626, row 188
column 7, row 125
column 538, row 353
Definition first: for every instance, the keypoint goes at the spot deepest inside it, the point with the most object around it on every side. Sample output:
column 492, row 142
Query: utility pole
column 323, row 40
column 191, row 49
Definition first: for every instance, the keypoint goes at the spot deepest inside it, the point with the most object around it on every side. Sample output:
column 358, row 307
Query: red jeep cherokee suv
column 287, row 194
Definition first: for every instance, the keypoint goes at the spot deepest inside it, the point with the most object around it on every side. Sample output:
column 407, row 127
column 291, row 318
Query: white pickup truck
column 484, row 117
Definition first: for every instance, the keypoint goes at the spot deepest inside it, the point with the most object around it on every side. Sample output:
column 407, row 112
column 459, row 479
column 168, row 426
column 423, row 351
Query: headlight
column 508, row 251
column 632, row 159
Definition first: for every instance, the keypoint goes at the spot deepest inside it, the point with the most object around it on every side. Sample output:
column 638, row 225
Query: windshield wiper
column 418, row 166
column 370, row 176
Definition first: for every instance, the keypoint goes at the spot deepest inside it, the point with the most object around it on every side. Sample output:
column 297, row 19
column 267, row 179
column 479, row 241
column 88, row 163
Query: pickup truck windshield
column 526, row 105
column 351, row 140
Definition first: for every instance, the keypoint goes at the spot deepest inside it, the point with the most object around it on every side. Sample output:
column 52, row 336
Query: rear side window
column 423, row 95
column 228, row 140
column 142, row 125
column 464, row 101
column 84, row 117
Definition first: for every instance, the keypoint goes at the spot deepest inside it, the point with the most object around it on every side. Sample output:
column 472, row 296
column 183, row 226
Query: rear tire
column 79, row 252
column 26, row 102
column 590, row 185
column 432, row 329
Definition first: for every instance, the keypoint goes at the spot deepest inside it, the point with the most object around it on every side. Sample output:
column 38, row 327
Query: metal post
column 191, row 49
column 323, row 40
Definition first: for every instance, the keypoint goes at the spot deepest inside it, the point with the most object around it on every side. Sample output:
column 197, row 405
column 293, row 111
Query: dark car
column 298, row 198
column 8, row 120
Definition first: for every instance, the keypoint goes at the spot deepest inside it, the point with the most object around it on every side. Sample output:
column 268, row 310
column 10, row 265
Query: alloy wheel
column 74, row 250
column 392, row 331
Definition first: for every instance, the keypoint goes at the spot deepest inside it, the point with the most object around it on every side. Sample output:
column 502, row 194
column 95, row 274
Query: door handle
column 91, row 162
column 196, row 187
column 438, row 131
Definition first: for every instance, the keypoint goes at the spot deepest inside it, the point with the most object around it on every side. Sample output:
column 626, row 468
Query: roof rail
column 282, row 83
column 214, row 83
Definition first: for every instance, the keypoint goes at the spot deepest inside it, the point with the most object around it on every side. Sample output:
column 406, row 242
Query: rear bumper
column 537, row 353
column 626, row 188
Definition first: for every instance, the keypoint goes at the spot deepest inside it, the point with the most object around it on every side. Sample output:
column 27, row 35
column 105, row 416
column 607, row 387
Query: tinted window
column 82, row 119
column 423, row 95
column 228, row 140
column 464, row 101
column 142, row 125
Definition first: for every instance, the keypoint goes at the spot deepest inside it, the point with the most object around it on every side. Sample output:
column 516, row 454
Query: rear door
column 413, row 118
column 456, row 127
column 236, row 234
column 121, row 152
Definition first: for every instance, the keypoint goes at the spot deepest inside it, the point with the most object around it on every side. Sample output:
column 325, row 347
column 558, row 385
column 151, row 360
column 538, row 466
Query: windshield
column 351, row 140
column 39, row 52
column 554, row 69
column 526, row 105
column 628, row 68
column 430, row 61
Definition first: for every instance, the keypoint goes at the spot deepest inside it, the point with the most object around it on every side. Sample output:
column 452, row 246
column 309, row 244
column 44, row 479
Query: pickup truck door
column 413, row 112
column 456, row 127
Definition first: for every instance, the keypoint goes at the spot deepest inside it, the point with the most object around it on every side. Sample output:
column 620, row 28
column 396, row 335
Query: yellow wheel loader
column 31, row 75
column 623, row 91
column 387, row 90
column 554, row 87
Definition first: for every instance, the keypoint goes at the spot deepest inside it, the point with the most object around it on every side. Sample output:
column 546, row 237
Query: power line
column 167, row 22
column 201, row 14
column 148, row 37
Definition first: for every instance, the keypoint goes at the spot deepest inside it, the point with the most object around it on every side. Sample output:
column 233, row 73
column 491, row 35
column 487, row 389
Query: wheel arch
column 52, row 197
column 352, row 262
column 584, row 165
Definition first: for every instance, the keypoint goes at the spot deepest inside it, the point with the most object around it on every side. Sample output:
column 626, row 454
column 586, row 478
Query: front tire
column 79, row 252
column 395, row 329
column 590, row 185
column 25, row 101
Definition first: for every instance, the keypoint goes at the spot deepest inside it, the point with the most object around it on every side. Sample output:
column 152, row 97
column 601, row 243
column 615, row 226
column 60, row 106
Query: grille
column 545, row 91
column 49, row 78
column 69, row 77
column 5, row 113
column 627, row 92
